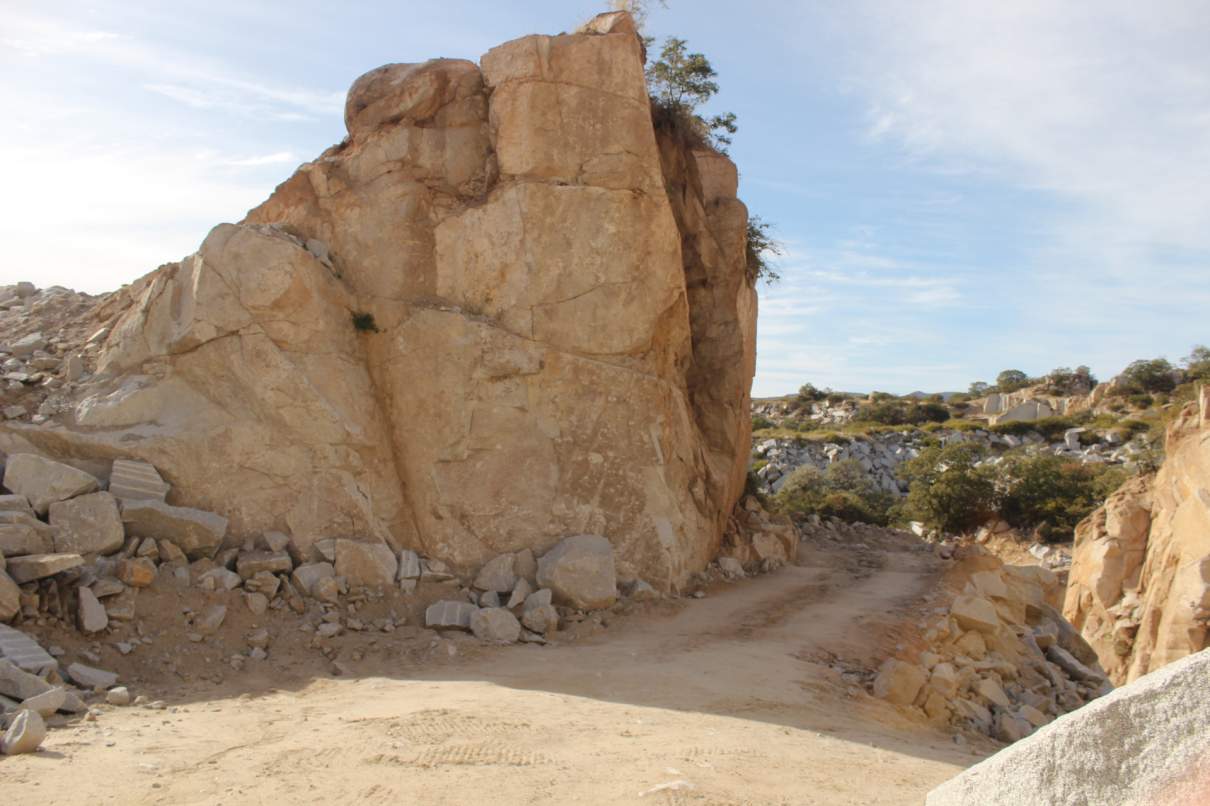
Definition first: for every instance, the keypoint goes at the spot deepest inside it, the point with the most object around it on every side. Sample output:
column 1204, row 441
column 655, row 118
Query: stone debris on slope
column 1000, row 660
column 1143, row 743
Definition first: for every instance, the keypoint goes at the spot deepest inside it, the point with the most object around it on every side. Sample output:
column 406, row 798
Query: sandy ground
column 752, row 695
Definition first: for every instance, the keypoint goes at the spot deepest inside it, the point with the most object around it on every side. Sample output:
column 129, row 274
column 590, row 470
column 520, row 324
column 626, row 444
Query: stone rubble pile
column 45, row 351
column 881, row 454
column 36, row 693
column 999, row 659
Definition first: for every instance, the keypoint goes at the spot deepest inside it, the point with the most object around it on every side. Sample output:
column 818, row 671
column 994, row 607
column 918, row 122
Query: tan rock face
column 1139, row 589
column 556, row 335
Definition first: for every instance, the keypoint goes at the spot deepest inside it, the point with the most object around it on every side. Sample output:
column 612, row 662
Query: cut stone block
column 137, row 481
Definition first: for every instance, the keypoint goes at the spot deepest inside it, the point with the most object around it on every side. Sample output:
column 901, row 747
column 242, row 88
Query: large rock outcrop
column 504, row 310
column 1139, row 588
column 1142, row 744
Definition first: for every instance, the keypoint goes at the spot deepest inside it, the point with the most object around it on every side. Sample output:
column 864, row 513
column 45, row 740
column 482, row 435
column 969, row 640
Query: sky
column 961, row 186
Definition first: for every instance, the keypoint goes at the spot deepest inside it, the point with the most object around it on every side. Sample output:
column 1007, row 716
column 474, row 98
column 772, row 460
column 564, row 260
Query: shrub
column 1141, row 401
column 946, row 490
column 807, row 393
column 891, row 411
column 979, row 389
column 1051, row 428
column 1066, row 381
column 843, row 491
column 1197, row 364
column 1010, row 380
column 1051, row 495
column 759, row 421
column 364, row 322
column 1143, row 377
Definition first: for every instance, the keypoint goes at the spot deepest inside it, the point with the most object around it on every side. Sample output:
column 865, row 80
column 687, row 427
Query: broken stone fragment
column 39, row 566
column 10, row 597
column 975, row 613
column 366, row 564
column 495, row 625
column 196, row 532
column 306, row 576
column 43, row 481
column 88, row 677
column 899, row 682
column 134, row 481
column 542, row 619
column 252, row 563
column 20, row 684
column 449, row 615
column 137, row 572
column 24, row 735
column 87, row 524
column 46, row 703
column 90, row 612
column 498, row 574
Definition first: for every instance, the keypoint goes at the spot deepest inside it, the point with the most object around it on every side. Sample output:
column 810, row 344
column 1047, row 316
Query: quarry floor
column 751, row 695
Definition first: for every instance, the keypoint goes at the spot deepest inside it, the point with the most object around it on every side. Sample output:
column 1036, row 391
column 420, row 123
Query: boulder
column 495, row 625
column 87, row 524
column 87, row 677
column 370, row 565
column 137, row 572
column 899, row 682
column 19, row 684
column 975, row 613
column 498, row 575
column 197, row 533
column 39, row 566
column 306, row 577
column 43, row 481
column 580, row 572
column 23, row 536
column 541, row 618
column 1143, row 743
column 449, row 615
column 24, row 735
column 90, row 613
column 251, row 563
column 46, row 703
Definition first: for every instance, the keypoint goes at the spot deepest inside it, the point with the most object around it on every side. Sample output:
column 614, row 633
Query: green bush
column 1197, row 364
column 1051, row 495
column 843, row 491
column 1141, row 401
column 1145, row 377
column 807, row 393
column 759, row 421
column 890, row 411
column 1010, row 380
column 946, row 490
column 1050, row 428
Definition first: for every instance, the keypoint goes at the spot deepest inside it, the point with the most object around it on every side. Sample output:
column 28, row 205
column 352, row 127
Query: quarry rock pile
column 998, row 658
column 504, row 311
column 1139, row 588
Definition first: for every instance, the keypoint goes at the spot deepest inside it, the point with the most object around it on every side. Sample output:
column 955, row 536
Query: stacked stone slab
column 137, row 481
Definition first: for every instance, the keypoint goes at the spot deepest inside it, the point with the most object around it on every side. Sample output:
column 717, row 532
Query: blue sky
column 961, row 186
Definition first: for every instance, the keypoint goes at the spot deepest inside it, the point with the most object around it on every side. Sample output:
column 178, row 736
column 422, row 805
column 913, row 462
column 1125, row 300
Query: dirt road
column 744, row 697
